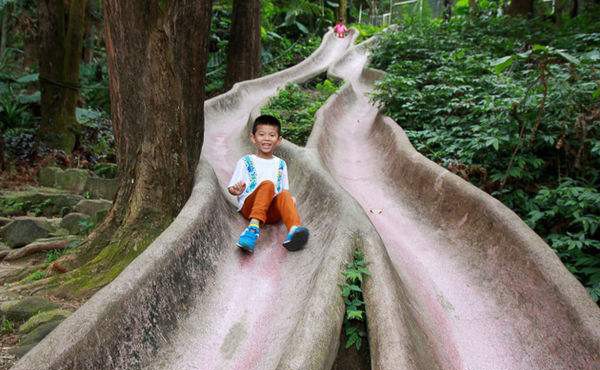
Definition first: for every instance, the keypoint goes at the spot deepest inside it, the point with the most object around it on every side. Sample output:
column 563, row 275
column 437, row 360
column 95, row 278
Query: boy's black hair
column 268, row 120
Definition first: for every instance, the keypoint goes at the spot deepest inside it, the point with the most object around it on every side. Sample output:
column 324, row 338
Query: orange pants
column 268, row 210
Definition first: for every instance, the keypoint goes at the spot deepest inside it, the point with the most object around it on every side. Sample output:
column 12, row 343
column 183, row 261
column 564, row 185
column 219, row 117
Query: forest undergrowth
column 513, row 106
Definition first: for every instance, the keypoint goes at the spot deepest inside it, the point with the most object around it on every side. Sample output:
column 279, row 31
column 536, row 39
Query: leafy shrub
column 281, row 53
column 512, row 106
column 365, row 31
column 94, row 83
column 34, row 276
column 87, row 226
column 355, row 272
column 569, row 216
column 106, row 170
column 97, row 137
column 7, row 326
column 296, row 106
column 53, row 255
column 20, row 144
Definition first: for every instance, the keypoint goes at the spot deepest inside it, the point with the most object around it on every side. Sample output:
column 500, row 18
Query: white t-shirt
column 252, row 170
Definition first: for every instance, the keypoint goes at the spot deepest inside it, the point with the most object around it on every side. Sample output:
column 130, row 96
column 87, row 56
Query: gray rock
column 71, row 222
column 101, row 188
column 23, row 309
column 4, row 221
column 48, row 175
column 92, row 207
column 41, row 201
column 54, row 222
column 23, row 230
column 73, row 180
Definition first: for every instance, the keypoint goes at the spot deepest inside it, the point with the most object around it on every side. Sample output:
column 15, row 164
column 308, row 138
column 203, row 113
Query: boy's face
column 266, row 139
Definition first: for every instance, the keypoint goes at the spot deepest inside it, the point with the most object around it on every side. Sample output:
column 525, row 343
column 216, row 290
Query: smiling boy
column 260, row 181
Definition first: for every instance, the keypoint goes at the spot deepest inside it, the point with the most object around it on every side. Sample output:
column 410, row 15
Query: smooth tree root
column 34, row 248
column 95, row 272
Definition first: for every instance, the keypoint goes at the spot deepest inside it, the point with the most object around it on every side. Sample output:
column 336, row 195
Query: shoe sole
column 298, row 240
column 244, row 248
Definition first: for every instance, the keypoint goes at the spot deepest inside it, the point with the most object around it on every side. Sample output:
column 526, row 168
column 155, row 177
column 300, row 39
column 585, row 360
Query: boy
column 260, row 181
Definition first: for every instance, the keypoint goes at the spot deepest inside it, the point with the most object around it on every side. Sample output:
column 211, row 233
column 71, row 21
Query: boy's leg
column 284, row 208
column 255, row 208
column 258, row 203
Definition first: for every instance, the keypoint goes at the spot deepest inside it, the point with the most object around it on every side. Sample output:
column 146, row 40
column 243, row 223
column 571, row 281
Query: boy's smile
column 265, row 139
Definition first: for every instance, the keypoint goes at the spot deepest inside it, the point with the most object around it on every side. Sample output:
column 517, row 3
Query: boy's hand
column 237, row 189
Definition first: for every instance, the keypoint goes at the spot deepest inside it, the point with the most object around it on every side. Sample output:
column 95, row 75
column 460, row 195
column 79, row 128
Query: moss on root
column 109, row 262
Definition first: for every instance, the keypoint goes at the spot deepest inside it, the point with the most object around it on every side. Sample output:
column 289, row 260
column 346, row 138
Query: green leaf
column 84, row 115
column 353, row 275
column 301, row 27
column 345, row 291
column 30, row 99
column 354, row 314
column 568, row 57
column 352, row 339
column 354, row 288
column 596, row 93
column 501, row 64
column 493, row 142
column 27, row 78
column 593, row 55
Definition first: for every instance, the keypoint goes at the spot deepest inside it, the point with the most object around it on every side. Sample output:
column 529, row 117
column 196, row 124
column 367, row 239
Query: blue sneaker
column 248, row 238
column 296, row 239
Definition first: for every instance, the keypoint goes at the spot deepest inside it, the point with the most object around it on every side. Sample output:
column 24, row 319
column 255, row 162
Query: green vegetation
column 365, row 31
column 53, row 255
column 354, row 318
column 34, row 276
column 87, row 226
column 511, row 105
column 296, row 106
column 7, row 326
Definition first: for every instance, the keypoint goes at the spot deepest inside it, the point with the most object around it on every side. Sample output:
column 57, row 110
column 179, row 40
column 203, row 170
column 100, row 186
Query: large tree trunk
column 157, row 105
column 93, row 27
column 343, row 10
column 243, row 57
column 60, row 55
column 5, row 19
column 88, row 34
column 520, row 8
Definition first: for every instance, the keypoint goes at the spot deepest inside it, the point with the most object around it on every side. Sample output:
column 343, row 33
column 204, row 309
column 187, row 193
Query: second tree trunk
column 243, row 58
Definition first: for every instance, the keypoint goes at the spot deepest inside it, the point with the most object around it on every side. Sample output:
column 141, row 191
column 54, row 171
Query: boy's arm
column 237, row 185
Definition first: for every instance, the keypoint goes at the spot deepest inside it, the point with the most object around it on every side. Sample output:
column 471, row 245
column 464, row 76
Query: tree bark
column 520, row 8
column 243, row 57
column 156, row 80
column 343, row 10
column 473, row 8
column 5, row 19
column 93, row 28
column 60, row 54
